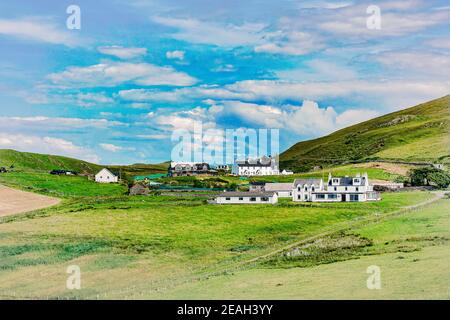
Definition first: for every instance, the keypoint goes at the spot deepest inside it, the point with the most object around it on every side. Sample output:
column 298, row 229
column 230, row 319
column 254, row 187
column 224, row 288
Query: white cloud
column 204, row 32
column 352, row 21
column 290, row 43
column 47, row 145
column 429, row 64
column 307, row 119
column 442, row 42
column 115, row 73
column 122, row 52
column 38, row 30
column 224, row 68
column 319, row 71
column 113, row 148
column 176, row 54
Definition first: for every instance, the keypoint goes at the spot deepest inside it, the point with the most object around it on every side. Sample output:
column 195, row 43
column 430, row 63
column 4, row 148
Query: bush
column 429, row 176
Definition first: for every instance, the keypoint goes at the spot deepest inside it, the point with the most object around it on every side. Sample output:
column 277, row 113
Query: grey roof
column 347, row 181
column 307, row 181
column 261, row 162
column 246, row 194
column 279, row 186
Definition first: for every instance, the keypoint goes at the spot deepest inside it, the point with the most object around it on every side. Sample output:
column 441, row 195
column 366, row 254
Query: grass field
column 60, row 186
column 412, row 251
column 156, row 243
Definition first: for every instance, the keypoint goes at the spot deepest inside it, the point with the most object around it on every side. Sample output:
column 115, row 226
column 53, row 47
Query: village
column 357, row 188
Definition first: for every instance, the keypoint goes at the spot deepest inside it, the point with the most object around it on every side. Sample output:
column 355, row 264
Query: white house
column 247, row 198
column 264, row 166
column 336, row 189
column 106, row 176
column 283, row 190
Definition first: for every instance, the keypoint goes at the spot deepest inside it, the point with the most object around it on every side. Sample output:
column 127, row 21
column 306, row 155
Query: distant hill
column 420, row 133
column 44, row 162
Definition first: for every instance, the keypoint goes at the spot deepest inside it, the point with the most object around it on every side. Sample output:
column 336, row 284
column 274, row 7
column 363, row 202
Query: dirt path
column 14, row 201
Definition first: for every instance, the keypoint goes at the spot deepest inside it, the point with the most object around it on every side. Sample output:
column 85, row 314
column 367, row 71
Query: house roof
column 261, row 162
column 246, row 194
column 107, row 171
column 347, row 181
column 279, row 186
column 307, row 181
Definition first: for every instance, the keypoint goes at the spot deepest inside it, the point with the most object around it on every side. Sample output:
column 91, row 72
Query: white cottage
column 247, row 198
column 336, row 189
column 106, row 176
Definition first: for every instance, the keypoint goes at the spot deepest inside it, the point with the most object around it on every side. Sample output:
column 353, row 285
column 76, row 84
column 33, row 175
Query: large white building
column 264, row 166
column 106, row 176
column 336, row 189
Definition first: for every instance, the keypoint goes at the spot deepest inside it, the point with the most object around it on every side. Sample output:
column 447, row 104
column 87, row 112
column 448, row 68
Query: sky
column 115, row 89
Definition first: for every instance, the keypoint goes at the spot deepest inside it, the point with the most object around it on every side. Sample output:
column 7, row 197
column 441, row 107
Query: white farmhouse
column 106, row 176
column 247, row 198
column 336, row 189
column 264, row 166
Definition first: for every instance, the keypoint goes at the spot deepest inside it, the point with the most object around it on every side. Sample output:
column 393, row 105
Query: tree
column 429, row 176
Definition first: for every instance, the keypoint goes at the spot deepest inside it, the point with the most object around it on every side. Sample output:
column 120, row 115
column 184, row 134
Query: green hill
column 420, row 133
column 26, row 161
column 43, row 162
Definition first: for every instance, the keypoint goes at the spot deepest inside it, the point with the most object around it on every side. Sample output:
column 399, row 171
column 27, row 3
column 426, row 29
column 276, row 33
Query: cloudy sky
column 114, row 90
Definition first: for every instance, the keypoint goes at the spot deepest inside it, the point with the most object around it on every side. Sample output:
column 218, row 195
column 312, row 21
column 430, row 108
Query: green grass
column 412, row 251
column 35, row 162
column 60, row 186
column 159, row 241
column 419, row 133
column 43, row 162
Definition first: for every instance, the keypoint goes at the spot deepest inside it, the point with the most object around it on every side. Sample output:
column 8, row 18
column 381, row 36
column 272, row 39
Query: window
column 241, row 198
column 332, row 196
column 306, row 197
column 306, row 188
column 298, row 197
column 228, row 199
column 356, row 181
column 357, row 189
column 335, row 188
column 346, row 189
column 312, row 189
column 299, row 188
column 264, row 199
column 253, row 199
column 335, row 181
column 354, row 197
column 320, row 196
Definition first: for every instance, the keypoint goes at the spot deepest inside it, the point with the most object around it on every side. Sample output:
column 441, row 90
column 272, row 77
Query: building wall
column 246, row 200
column 105, row 177
column 284, row 194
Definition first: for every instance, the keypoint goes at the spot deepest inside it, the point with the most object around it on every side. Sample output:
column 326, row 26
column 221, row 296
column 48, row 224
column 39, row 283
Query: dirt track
column 14, row 201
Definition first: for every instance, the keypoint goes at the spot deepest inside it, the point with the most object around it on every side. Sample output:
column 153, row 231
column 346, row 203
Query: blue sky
column 115, row 90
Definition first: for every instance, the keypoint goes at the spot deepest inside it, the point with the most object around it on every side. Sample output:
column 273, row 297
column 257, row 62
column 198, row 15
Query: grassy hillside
column 420, row 133
column 26, row 161
column 43, row 162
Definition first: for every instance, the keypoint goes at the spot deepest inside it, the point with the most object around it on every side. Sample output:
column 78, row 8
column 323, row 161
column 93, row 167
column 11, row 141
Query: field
column 181, row 247
column 150, row 245
column 412, row 251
